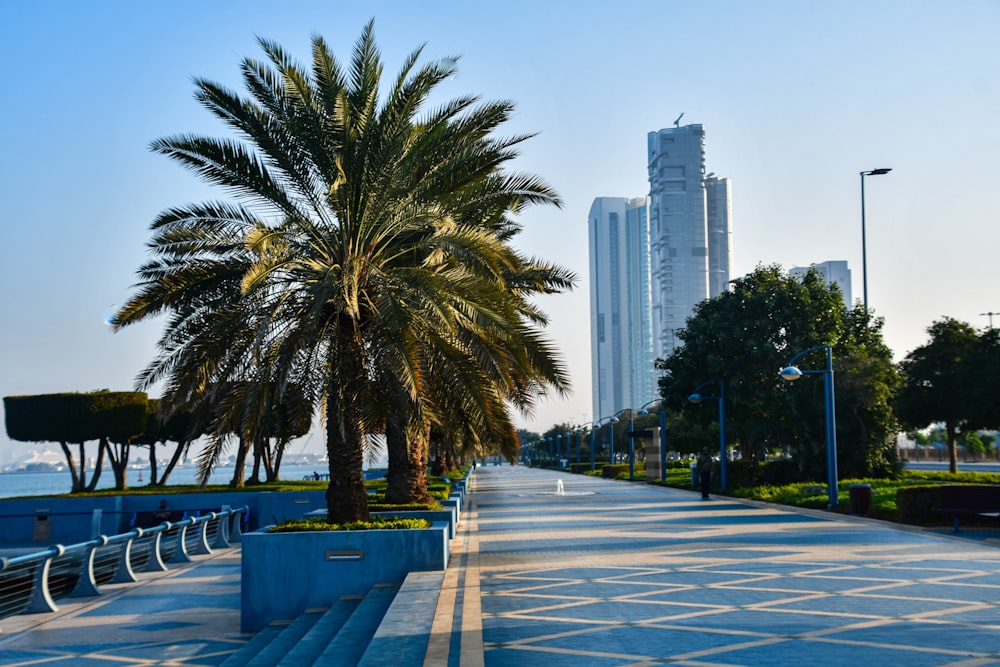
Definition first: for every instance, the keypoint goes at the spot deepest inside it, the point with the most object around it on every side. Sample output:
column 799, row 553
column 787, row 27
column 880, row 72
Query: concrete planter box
column 283, row 574
column 454, row 506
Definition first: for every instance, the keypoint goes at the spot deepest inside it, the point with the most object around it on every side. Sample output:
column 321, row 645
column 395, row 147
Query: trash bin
column 861, row 498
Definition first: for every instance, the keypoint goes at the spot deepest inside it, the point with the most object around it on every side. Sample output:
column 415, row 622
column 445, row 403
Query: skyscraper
column 651, row 260
column 620, row 305
column 690, row 230
column 833, row 272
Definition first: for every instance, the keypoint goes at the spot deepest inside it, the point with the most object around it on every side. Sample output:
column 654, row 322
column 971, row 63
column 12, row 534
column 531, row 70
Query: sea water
column 14, row 484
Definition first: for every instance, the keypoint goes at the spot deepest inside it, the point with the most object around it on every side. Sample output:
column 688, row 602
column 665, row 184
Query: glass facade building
column 620, row 305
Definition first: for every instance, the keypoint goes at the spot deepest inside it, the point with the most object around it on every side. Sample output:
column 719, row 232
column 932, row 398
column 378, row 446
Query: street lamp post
column 864, row 249
column 593, row 444
column 611, row 441
column 721, row 398
column 663, row 434
column 631, row 445
column 597, row 425
column 791, row 372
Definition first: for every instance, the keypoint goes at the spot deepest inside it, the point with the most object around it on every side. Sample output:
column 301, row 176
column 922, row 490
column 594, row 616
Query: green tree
column 951, row 380
column 366, row 260
column 74, row 418
column 743, row 336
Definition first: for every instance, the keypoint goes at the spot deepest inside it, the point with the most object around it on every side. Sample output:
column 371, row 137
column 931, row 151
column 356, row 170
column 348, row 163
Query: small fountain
column 559, row 488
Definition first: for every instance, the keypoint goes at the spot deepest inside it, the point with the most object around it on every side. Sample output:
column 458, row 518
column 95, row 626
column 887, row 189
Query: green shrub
column 613, row 471
column 781, row 471
column 303, row 525
column 914, row 503
column 579, row 468
column 402, row 507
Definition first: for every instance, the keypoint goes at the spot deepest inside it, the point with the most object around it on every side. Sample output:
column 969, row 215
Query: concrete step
column 241, row 657
column 285, row 641
column 352, row 640
column 312, row 644
column 403, row 635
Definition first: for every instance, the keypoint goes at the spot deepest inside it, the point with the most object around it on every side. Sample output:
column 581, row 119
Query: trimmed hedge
column 73, row 417
column 611, row 471
column 914, row 503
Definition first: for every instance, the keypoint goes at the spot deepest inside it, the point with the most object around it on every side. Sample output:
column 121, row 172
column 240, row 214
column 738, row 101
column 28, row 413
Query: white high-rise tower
column 621, row 330
column 690, row 230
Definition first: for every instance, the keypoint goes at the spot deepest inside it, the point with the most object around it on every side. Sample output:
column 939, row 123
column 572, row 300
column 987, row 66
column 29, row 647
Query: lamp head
column 877, row 172
column 613, row 420
column 695, row 398
column 790, row 373
column 643, row 411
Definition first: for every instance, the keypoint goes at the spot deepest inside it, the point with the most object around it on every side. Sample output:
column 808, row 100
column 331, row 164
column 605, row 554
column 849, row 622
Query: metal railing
column 31, row 583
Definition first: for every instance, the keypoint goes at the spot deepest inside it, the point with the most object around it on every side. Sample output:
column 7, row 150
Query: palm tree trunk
column 241, row 458
column 406, row 478
column 346, row 498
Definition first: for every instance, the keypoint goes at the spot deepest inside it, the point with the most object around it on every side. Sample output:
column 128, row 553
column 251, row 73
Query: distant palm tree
column 365, row 260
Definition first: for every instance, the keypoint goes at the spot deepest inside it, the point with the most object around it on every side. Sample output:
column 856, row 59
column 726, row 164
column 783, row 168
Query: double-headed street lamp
column 791, row 372
column 695, row 397
column 663, row 433
column 864, row 250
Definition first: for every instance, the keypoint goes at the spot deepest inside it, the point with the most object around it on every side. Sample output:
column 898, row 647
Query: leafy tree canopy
column 744, row 336
column 952, row 379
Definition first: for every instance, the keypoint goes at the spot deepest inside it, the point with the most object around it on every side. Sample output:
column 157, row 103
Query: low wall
column 68, row 520
column 284, row 574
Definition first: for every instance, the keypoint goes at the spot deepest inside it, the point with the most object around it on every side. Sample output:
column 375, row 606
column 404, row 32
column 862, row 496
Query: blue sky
column 796, row 99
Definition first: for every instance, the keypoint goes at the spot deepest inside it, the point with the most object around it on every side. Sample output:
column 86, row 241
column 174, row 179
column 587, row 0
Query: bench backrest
column 969, row 496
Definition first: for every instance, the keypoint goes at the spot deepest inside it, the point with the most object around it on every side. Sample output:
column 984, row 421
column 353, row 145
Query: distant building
column 833, row 272
column 652, row 260
column 690, row 217
column 621, row 332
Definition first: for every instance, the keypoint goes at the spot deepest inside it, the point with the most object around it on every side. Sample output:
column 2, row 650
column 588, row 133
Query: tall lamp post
column 721, row 398
column 611, row 440
column 864, row 249
column 791, row 372
column 631, row 445
column 663, row 433
column 594, row 429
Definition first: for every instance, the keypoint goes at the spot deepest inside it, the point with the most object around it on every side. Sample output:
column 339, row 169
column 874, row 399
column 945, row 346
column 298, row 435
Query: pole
column 631, row 447
column 593, row 445
column 663, row 441
column 611, row 445
column 722, row 434
column 831, row 431
column 864, row 249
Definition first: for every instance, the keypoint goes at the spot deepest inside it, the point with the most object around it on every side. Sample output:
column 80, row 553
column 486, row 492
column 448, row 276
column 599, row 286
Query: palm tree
column 364, row 255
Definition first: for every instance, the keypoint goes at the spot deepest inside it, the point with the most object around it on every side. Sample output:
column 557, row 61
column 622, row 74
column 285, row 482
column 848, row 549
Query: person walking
column 704, row 467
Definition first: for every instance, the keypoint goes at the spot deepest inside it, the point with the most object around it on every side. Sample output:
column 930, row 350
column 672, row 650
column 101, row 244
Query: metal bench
column 967, row 499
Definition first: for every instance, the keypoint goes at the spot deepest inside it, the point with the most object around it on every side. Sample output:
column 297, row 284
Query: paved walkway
column 188, row 616
column 611, row 573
